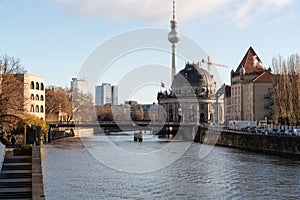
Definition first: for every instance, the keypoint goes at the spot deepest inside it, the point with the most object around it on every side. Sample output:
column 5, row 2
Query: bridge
column 125, row 126
column 159, row 128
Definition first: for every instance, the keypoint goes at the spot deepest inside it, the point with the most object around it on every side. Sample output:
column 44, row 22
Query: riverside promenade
column 21, row 175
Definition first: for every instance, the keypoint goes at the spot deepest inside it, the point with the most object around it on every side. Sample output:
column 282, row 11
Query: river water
column 73, row 169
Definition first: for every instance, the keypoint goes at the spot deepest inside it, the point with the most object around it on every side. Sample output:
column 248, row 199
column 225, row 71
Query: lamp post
column 25, row 134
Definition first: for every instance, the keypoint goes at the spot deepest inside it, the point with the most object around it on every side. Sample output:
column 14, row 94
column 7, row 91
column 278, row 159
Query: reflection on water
column 71, row 172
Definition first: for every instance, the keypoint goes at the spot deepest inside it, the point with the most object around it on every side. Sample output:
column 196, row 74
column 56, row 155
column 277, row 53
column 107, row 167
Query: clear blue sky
column 53, row 38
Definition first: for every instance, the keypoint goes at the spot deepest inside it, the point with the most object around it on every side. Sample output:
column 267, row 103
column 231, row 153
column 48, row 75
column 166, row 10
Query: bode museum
column 191, row 97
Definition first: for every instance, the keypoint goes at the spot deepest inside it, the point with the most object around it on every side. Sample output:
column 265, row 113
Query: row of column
column 186, row 113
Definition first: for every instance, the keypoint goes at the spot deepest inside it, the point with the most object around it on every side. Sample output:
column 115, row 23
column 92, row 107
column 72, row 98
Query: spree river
column 72, row 169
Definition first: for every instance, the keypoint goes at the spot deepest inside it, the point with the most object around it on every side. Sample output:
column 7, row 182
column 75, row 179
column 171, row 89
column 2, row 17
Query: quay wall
column 37, row 174
column 2, row 154
column 272, row 144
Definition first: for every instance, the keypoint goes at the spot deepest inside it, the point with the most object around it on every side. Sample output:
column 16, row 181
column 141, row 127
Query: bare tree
column 58, row 101
column 83, row 108
column 11, row 98
column 286, row 86
column 104, row 113
column 137, row 114
column 11, row 65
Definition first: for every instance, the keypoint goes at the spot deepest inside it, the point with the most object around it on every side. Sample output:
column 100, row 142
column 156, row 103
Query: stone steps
column 18, row 182
column 16, row 177
column 16, row 166
column 17, row 160
column 15, row 195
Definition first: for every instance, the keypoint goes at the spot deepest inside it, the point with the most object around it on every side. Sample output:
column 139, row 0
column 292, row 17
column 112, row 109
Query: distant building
column 250, row 95
column 80, row 84
column 227, row 104
column 33, row 95
column 114, row 95
column 106, row 94
column 219, row 105
column 151, row 110
column 131, row 102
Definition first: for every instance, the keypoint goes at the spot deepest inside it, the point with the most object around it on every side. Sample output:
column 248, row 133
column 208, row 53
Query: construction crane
column 209, row 63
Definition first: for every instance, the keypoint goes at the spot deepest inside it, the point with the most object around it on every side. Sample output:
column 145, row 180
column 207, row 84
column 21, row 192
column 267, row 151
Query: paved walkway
column 16, row 177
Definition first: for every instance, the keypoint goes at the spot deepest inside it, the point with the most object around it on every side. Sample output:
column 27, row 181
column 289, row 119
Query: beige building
column 250, row 95
column 33, row 88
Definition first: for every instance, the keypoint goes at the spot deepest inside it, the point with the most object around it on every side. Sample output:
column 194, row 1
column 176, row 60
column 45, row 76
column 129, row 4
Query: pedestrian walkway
column 16, row 177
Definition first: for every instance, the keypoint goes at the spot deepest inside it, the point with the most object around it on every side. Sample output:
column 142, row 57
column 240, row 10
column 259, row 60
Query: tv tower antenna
column 173, row 38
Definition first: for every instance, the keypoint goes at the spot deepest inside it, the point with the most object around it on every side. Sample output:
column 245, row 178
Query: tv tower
column 173, row 38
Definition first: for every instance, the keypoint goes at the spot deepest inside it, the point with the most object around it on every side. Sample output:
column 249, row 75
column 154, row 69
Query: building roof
column 193, row 75
column 264, row 77
column 250, row 63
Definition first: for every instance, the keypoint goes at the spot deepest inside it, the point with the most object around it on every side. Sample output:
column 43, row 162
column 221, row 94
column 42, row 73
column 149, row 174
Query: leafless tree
column 83, row 108
column 104, row 113
column 138, row 113
column 286, row 86
column 11, row 100
column 58, row 101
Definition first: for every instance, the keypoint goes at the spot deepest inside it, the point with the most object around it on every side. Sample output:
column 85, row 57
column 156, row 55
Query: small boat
column 138, row 136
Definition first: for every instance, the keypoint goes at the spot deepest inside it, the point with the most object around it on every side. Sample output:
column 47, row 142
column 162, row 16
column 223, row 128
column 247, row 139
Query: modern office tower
column 106, row 94
column 81, row 84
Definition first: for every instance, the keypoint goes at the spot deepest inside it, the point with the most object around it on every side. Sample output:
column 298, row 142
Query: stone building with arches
column 191, row 97
column 33, row 88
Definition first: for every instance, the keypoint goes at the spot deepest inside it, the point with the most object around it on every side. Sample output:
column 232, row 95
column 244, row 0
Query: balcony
column 268, row 105
column 268, row 96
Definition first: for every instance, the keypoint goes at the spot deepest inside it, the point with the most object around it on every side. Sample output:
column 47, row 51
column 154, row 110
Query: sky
column 55, row 38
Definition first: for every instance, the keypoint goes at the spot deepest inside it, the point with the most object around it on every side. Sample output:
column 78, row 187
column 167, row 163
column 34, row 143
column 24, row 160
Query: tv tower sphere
column 174, row 36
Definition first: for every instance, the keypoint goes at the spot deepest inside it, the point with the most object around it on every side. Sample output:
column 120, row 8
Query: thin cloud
column 249, row 11
column 238, row 12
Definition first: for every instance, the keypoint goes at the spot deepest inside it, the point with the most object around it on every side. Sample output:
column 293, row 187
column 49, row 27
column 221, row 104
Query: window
column 42, row 98
column 42, row 86
column 31, row 108
column 37, row 85
column 32, row 97
column 32, row 85
column 202, row 106
column 37, row 97
column 37, row 109
column 42, row 109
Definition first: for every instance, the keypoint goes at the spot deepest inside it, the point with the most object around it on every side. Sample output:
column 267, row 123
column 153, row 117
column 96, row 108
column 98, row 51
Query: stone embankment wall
column 2, row 154
column 272, row 144
column 37, row 174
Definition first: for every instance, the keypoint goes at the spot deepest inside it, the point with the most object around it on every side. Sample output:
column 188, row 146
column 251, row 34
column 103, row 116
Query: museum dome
column 194, row 79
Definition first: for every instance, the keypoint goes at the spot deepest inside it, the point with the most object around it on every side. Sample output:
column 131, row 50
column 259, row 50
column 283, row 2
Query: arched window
column 42, row 109
column 42, row 98
column 42, row 86
column 37, row 85
column 37, row 97
column 32, row 85
column 37, row 109
column 32, row 97
column 31, row 108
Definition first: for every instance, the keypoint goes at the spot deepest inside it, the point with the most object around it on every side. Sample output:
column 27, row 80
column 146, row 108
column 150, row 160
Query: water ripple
column 72, row 173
